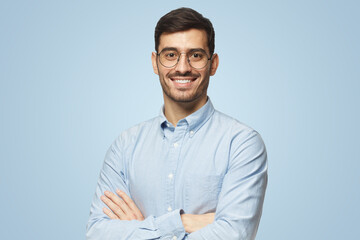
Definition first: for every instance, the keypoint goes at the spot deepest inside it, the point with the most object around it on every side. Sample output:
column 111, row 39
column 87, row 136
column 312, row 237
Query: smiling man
column 192, row 172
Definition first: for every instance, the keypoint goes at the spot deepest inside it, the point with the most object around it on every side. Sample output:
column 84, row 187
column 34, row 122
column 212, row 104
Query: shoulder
column 129, row 137
column 246, row 146
column 239, row 134
column 234, row 126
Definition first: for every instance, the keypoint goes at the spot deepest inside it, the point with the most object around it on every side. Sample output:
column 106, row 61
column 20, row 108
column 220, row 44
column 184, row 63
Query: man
column 192, row 172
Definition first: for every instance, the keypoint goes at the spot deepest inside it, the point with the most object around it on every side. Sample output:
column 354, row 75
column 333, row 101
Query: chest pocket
column 202, row 193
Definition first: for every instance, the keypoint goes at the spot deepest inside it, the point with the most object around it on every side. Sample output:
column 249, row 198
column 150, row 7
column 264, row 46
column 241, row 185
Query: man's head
column 184, row 57
column 182, row 19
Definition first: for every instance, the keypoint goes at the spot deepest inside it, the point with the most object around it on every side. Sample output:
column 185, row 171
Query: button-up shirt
column 209, row 162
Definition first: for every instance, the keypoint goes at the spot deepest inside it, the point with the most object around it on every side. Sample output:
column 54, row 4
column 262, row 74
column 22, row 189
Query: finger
column 113, row 207
column 110, row 214
column 120, row 203
column 131, row 204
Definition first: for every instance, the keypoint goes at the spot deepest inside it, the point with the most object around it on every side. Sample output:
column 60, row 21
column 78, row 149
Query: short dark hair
column 183, row 19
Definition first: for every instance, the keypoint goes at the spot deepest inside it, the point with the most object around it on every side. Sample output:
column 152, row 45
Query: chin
column 184, row 99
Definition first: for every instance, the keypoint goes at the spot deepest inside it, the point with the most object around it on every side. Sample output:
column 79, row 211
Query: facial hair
column 201, row 90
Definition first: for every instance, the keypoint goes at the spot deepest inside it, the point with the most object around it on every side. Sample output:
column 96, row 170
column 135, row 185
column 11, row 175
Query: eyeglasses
column 197, row 58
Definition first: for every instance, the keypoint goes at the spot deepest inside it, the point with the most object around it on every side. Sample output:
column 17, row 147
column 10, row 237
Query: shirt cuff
column 170, row 225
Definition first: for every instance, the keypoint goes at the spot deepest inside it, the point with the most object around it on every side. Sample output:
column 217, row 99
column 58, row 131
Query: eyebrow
column 190, row 50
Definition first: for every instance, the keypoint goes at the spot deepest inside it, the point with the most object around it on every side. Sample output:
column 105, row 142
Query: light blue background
column 74, row 74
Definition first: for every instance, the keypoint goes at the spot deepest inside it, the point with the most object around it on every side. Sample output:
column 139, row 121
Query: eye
column 196, row 56
column 169, row 55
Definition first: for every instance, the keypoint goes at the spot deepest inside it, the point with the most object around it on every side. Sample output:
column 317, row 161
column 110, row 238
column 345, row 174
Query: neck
column 174, row 111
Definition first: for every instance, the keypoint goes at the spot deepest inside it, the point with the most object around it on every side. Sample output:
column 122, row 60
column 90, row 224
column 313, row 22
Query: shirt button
column 171, row 175
column 176, row 145
column 169, row 209
column 191, row 132
column 168, row 125
column 174, row 237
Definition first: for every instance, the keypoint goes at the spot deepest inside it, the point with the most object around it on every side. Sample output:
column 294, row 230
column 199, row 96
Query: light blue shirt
column 209, row 162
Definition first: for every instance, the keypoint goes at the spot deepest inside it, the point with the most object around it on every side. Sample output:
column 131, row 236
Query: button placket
column 174, row 153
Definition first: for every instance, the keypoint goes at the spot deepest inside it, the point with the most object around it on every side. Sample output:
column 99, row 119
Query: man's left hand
column 121, row 206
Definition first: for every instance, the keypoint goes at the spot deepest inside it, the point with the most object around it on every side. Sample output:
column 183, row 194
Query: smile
column 183, row 81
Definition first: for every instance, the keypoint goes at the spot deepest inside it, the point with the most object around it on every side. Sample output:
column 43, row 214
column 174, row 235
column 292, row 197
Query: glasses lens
column 198, row 59
column 169, row 58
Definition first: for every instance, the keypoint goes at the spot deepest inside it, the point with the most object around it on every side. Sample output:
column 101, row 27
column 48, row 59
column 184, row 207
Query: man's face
column 183, row 83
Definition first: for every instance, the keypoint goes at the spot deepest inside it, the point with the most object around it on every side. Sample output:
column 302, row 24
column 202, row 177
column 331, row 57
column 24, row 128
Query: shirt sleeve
column 100, row 226
column 242, row 195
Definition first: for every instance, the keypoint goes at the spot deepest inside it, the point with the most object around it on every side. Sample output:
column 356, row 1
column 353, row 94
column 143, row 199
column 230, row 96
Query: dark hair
column 183, row 19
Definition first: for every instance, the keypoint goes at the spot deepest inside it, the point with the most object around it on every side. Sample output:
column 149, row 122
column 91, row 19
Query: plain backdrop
column 74, row 74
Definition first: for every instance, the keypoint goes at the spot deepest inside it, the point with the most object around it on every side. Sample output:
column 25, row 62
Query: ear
column 154, row 63
column 214, row 64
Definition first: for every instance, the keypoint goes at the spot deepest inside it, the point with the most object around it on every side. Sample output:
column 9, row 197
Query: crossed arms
column 122, row 207
column 237, row 214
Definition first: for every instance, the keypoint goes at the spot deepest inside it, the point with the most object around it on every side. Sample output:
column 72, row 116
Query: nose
column 183, row 65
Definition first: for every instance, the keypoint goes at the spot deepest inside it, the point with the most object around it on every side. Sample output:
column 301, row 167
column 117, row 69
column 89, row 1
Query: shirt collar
column 195, row 120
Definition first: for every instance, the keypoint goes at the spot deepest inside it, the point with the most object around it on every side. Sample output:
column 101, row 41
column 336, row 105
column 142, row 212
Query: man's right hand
column 194, row 222
column 121, row 206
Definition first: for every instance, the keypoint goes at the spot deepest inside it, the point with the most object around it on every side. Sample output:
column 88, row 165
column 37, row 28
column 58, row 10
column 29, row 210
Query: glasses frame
column 186, row 53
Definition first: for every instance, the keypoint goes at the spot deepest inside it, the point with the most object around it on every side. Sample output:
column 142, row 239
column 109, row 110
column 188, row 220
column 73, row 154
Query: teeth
column 182, row 81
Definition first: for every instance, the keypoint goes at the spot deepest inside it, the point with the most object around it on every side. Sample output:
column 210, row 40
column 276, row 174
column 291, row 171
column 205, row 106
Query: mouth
column 183, row 80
